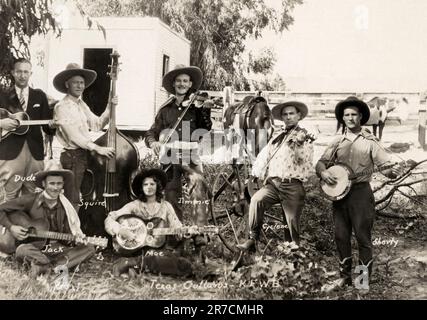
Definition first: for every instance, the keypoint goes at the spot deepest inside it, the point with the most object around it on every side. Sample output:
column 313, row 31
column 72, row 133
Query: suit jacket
column 37, row 109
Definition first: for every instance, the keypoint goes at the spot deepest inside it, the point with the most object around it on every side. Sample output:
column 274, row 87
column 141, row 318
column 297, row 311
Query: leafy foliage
column 291, row 273
column 217, row 29
column 19, row 21
column 22, row 19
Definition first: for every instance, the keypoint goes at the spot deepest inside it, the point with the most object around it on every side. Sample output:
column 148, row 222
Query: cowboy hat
column 53, row 168
column 139, row 178
column 195, row 74
column 352, row 102
column 301, row 107
column 73, row 69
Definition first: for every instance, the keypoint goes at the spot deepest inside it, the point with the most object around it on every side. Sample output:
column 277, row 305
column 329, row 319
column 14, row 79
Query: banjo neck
column 370, row 171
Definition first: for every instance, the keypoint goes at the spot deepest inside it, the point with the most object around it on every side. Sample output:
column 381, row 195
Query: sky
column 353, row 45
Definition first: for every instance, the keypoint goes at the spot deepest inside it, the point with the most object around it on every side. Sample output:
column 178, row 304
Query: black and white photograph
column 213, row 150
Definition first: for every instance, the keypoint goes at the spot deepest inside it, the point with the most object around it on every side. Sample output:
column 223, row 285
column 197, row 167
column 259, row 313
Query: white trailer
column 148, row 49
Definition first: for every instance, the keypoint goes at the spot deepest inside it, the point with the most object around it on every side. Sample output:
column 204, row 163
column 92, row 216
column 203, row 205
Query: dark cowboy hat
column 301, row 107
column 352, row 102
column 195, row 74
column 139, row 178
column 54, row 168
column 73, row 69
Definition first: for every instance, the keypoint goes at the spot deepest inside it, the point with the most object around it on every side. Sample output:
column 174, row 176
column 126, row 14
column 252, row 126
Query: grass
column 397, row 275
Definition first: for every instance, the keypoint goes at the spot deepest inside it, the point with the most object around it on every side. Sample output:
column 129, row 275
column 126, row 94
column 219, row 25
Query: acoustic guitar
column 24, row 122
column 151, row 235
column 39, row 229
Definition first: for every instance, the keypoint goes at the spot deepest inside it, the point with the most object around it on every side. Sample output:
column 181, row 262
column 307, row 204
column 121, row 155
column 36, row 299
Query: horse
column 253, row 117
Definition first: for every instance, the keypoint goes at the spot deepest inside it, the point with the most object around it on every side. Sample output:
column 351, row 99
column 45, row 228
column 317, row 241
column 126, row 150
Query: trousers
column 355, row 212
column 17, row 175
column 55, row 254
column 290, row 195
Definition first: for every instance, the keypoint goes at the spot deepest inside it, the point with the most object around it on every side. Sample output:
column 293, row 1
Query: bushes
column 294, row 272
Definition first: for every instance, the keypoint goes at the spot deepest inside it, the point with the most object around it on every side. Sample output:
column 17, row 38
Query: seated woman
column 150, row 207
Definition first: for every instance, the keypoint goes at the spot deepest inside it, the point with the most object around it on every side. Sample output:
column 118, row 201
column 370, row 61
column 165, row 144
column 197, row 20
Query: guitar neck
column 370, row 171
column 58, row 236
column 53, row 235
column 183, row 230
column 33, row 122
column 170, row 231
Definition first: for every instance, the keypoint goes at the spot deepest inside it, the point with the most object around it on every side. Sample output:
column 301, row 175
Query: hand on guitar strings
column 9, row 124
column 126, row 234
column 19, row 232
column 328, row 177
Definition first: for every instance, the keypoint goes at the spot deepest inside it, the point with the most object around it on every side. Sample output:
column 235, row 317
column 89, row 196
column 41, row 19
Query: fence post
column 422, row 120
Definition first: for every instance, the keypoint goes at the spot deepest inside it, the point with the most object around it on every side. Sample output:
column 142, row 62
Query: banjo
column 152, row 234
column 345, row 177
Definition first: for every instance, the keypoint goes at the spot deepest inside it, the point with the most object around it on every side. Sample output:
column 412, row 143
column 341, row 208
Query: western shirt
column 76, row 120
column 360, row 153
column 35, row 206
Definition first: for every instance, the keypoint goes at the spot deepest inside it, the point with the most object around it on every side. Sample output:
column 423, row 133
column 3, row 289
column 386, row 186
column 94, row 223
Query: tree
column 217, row 29
column 19, row 21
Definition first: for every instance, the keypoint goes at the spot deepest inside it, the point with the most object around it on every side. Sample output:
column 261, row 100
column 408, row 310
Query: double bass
column 106, row 184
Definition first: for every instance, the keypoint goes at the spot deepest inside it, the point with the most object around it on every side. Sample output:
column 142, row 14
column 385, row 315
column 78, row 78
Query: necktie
column 22, row 99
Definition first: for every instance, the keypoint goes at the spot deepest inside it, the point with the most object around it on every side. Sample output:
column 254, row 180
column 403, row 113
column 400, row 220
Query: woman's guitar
column 345, row 177
column 24, row 122
column 151, row 234
column 39, row 229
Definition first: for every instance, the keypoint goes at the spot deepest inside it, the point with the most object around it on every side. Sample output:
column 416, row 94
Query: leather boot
column 200, row 241
column 39, row 269
column 250, row 244
column 345, row 270
column 345, row 276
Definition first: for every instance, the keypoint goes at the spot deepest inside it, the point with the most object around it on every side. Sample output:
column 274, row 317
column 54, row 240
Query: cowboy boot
column 200, row 240
column 39, row 269
column 250, row 244
column 345, row 276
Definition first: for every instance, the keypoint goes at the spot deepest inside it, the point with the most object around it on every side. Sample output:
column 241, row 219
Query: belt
column 287, row 180
column 79, row 150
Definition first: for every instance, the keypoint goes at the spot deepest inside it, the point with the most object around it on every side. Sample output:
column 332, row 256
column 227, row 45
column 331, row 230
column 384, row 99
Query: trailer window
column 165, row 65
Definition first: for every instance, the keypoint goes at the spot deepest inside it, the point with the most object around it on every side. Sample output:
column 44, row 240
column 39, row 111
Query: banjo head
column 135, row 225
column 340, row 189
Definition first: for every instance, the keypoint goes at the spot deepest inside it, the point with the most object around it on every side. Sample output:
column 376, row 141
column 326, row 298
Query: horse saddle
column 245, row 109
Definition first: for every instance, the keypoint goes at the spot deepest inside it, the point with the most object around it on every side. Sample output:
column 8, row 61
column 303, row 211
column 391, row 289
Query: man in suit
column 21, row 156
